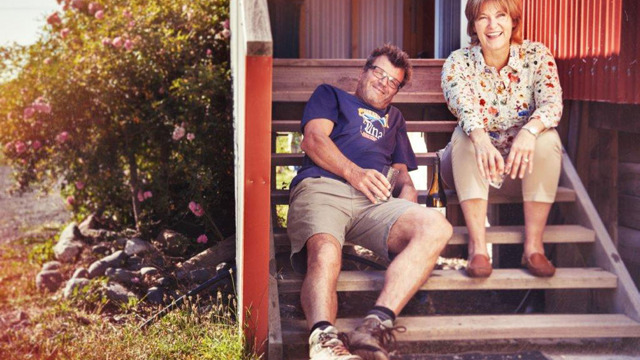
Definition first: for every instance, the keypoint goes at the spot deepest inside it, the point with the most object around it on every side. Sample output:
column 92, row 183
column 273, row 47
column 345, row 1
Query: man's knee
column 323, row 250
column 436, row 227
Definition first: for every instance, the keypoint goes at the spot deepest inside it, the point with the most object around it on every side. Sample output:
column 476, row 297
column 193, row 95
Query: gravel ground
column 21, row 214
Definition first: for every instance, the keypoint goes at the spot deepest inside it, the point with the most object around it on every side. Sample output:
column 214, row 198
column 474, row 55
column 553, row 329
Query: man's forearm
column 324, row 153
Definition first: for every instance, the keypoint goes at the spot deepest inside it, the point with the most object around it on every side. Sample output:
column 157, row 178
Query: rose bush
column 103, row 101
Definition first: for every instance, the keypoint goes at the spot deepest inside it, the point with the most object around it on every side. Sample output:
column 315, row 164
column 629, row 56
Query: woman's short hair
column 397, row 58
column 511, row 7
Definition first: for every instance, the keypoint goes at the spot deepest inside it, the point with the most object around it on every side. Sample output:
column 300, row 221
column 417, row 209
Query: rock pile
column 129, row 266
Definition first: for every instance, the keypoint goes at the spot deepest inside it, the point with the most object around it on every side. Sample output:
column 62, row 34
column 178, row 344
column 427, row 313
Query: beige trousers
column 459, row 170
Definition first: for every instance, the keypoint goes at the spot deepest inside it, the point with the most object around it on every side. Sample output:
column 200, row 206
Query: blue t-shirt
column 369, row 137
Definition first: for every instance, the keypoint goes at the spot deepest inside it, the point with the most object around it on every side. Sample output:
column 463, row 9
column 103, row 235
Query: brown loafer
column 538, row 265
column 479, row 266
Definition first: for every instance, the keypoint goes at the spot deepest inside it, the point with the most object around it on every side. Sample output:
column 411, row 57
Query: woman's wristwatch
column 533, row 131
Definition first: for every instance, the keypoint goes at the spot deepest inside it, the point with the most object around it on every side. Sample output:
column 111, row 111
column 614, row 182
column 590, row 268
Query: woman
column 506, row 95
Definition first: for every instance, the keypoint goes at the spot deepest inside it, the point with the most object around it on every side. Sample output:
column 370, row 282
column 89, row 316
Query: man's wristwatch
column 533, row 131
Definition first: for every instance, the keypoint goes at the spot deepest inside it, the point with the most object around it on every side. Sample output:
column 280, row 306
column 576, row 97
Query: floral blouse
column 527, row 88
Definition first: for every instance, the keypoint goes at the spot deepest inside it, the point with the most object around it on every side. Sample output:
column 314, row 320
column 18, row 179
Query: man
column 340, row 195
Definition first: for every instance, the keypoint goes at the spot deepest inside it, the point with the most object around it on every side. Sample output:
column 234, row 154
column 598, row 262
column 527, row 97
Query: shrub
column 129, row 103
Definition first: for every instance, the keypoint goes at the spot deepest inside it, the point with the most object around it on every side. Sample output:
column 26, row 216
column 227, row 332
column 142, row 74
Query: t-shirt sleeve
column 323, row 103
column 403, row 153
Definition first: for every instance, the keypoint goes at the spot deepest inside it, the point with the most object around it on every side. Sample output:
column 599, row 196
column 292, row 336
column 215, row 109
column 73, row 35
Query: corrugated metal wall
column 595, row 44
column 328, row 27
column 380, row 22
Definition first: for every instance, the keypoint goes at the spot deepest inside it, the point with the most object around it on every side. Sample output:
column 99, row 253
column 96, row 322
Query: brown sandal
column 538, row 265
column 479, row 266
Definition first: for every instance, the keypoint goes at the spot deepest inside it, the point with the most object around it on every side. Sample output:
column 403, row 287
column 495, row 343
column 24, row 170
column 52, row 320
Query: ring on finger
column 525, row 160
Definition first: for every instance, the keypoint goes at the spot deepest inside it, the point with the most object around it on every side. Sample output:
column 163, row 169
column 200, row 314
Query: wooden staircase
column 592, row 293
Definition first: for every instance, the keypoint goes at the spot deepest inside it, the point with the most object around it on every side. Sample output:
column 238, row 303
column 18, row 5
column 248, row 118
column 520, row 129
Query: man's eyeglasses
column 381, row 74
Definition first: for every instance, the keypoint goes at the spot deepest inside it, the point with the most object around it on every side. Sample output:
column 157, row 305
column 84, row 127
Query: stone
column 123, row 276
column 48, row 280
column 137, row 246
column 89, row 223
column 148, row 271
column 201, row 275
column 80, row 273
column 134, row 263
column 51, row 265
column 115, row 260
column 74, row 283
column 164, row 282
column 155, row 295
column 101, row 249
column 172, row 243
column 118, row 293
column 69, row 245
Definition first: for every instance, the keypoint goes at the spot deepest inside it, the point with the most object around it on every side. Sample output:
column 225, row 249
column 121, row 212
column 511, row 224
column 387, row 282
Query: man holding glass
column 340, row 195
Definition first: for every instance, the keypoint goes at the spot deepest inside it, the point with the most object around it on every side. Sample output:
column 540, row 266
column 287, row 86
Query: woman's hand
column 489, row 160
column 521, row 155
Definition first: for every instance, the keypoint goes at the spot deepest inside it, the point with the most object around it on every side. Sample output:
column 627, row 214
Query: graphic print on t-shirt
column 373, row 126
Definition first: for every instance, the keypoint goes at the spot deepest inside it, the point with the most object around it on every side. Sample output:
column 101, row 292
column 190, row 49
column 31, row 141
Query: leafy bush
column 129, row 103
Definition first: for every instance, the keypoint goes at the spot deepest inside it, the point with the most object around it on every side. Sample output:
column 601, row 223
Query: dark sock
column 321, row 325
column 382, row 313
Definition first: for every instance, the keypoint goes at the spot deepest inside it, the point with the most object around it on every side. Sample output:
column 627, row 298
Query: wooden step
column 563, row 195
column 500, row 279
column 282, row 159
column 487, row 327
column 416, row 97
column 430, row 126
column 553, row 234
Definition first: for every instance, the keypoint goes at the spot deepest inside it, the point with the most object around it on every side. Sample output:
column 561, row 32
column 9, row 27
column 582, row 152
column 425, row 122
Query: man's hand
column 370, row 182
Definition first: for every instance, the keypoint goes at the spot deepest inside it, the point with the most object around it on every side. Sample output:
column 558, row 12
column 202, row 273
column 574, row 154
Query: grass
column 35, row 325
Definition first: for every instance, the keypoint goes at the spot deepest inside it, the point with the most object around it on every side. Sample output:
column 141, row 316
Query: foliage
column 129, row 103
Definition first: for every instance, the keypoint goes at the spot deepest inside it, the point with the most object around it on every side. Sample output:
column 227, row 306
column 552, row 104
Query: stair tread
column 500, row 279
column 430, row 97
column 295, row 159
column 514, row 234
column 563, row 194
column 412, row 125
column 485, row 327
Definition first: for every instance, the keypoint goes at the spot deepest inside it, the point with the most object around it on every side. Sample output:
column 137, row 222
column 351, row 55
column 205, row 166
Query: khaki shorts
column 329, row 206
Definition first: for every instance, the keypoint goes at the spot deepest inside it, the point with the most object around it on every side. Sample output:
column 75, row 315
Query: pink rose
column 127, row 14
column 106, row 41
column 77, row 4
column 178, row 133
column 64, row 32
column 8, row 146
column 42, row 108
column 20, row 147
column 28, row 112
column 99, row 15
column 54, row 19
column 62, row 137
column 131, row 24
column 128, row 44
column 148, row 195
column 226, row 33
column 94, row 7
column 71, row 200
column 225, row 24
column 36, row 145
column 79, row 185
column 202, row 239
column 117, row 42
column 140, row 196
column 196, row 209
column 190, row 136
column 209, row 52
column 47, row 61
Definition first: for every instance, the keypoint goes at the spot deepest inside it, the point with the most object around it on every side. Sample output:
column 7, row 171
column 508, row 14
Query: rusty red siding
column 595, row 43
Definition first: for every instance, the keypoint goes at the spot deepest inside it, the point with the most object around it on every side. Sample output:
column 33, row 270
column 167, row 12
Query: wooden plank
column 439, row 126
column 500, row 279
column 630, row 211
column 486, row 327
column 625, row 299
column 618, row 117
column 629, row 179
column 604, row 187
column 355, row 28
column 564, row 194
column 296, row 159
column 431, row 97
column 553, row 234
column 275, row 323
